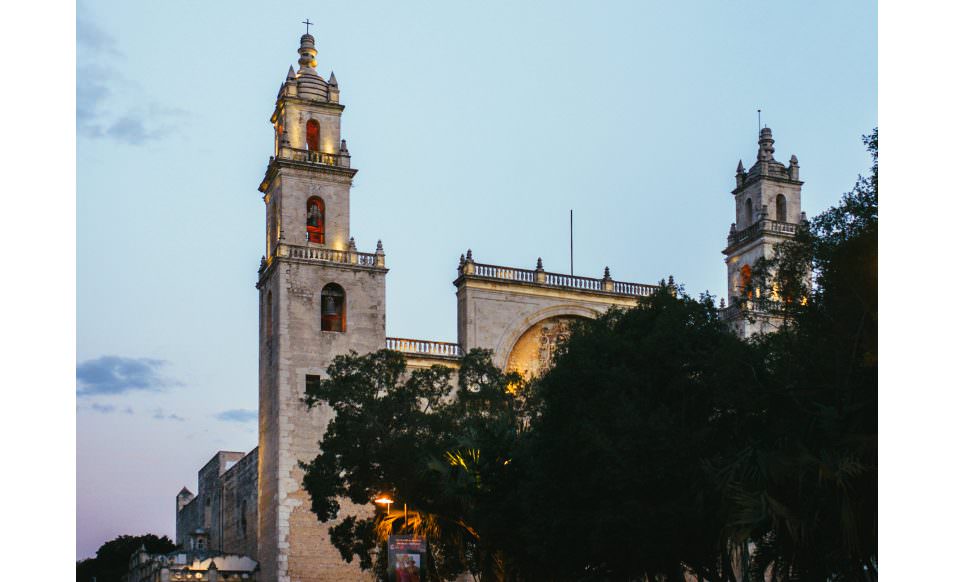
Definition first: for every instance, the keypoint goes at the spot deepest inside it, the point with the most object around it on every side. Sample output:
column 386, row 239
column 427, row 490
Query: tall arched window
column 315, row 220
column 333, row 308
column 311, row 135
column 749, row 214
column 745, row 277
column 268, row 315
column 781, row 209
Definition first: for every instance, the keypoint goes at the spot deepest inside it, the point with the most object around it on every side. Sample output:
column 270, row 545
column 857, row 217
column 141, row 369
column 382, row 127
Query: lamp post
column 385, row 500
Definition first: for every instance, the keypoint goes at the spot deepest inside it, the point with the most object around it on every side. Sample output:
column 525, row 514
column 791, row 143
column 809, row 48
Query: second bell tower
column 318, row 298
column 768, row 210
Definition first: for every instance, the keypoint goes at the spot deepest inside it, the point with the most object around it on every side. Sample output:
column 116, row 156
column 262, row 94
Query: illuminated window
column 315, row 220
column 333, row 310
column 781, row 209
column 311, row 135
column 745, row 277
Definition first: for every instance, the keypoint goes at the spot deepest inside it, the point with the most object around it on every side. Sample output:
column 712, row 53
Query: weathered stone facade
column 319, row 297
column 225, row 507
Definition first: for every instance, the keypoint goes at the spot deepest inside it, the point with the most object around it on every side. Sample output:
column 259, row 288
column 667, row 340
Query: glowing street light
column 385, row 500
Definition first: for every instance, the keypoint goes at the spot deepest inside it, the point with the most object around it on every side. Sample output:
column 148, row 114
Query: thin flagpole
column 571, row 241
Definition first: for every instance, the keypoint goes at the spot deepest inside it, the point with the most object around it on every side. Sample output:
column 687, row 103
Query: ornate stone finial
column 343, row 150
column 539, row 264
column 671, row 282
column 308, row 54
column 461, row 260
column 732, row 228
column 766, row 145
column 470, row 256
column 740, row 169
column 793, row 167
column 606, row 273
column 722, row 303
column 380, row 248
column 803, row 217
column 351, row 245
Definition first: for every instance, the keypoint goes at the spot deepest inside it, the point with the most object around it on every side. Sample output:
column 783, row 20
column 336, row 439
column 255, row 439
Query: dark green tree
column 805, row 486
column 442, row 449
column 112, row 558
column 613, row 477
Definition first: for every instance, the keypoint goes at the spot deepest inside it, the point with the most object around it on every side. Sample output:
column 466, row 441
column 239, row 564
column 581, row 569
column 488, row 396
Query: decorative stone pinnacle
column 307, row 52
column 344, row 147
column 722, row 303
column 794, row 160
column 606, row 273
column 351, row 245
column 332, row 81
column 461, row 259
column 380, row 248
column 470, row 256
column 740, row 169
column 539, row 264
column 671, row 282
column 766, row 145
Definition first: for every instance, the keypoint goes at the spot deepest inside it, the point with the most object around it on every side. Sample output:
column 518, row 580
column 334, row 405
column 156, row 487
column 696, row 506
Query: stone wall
column 225, row 482
column 495, row 314
column 293, row 544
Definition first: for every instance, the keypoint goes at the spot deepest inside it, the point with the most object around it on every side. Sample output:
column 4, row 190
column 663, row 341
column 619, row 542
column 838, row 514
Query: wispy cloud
column 158, row 414
column 103, row 408
column 118, row 375
column 238, row 415
column 101, row 90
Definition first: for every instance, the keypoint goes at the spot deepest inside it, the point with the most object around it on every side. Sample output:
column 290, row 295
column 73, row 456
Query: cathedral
column 320, row 296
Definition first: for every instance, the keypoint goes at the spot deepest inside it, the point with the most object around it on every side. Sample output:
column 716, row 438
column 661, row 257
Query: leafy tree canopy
column 112, row 558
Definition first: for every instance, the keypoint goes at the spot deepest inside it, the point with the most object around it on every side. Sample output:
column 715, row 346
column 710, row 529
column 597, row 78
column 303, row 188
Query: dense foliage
column 658, row 443
column 112, row 558
column 419, row 439
column 805, row 486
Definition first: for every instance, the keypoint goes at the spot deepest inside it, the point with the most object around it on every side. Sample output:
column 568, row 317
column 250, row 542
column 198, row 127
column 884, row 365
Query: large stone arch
column 516, row 330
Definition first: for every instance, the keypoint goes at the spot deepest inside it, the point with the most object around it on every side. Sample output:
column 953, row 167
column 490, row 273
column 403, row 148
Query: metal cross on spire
column 307, row 23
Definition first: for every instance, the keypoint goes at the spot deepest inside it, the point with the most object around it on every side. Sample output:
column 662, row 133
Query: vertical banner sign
column 407, row 558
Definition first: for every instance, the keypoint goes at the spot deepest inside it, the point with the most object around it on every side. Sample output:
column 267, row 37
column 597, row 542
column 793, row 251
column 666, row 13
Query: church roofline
column 468, row 270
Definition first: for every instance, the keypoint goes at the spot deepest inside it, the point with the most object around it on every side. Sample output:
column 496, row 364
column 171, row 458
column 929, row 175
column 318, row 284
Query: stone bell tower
column 768, row 210
column 318, row 298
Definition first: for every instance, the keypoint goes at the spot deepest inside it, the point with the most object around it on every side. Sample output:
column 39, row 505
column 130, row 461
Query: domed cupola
column 310, row 84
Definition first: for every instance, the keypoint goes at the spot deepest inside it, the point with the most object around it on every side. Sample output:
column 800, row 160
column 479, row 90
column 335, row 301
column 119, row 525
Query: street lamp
column 385, row 500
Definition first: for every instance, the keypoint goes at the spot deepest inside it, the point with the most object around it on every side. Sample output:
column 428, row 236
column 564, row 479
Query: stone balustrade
column 313, row 157
column 324, row 254
column 763, row 225
column 542, row 278
column 423, row 347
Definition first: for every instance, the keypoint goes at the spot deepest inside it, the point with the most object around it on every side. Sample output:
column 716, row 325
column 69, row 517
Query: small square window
column 312, row 383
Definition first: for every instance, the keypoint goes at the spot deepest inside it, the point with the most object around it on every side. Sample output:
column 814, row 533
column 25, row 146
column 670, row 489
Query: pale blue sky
column 473, row 126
